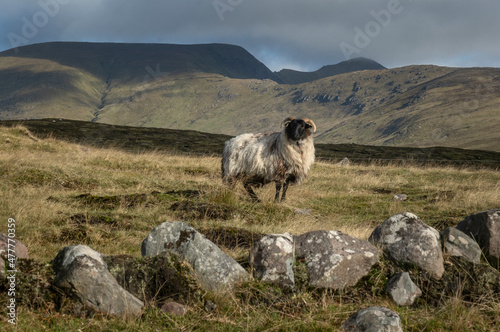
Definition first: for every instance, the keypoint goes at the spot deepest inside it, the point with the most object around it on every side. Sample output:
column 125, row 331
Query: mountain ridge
column 419, row 105
column 290, row 76
column 108, row 59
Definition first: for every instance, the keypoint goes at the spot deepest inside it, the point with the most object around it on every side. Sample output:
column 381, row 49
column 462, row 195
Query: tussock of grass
column 63, row 194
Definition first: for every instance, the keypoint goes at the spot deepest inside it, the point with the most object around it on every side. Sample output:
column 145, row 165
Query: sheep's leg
column 278, row 189
column 285, row 187
column 250, row 191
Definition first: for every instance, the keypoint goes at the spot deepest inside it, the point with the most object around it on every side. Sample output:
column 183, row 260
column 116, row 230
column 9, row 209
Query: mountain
column 290, row 76
column 132, row 62
column 222, row 89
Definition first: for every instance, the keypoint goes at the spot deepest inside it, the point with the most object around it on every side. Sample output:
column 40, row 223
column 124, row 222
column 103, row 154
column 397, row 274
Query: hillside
column 143, row 139
column 290, row 76
column 223, row 89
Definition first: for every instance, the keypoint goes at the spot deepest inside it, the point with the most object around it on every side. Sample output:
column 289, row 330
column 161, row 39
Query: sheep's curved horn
column 287, row 121
column 309, row 121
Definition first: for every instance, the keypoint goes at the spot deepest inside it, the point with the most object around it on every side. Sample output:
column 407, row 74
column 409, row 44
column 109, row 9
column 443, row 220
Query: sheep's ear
column 287, row 121
column 310, row 124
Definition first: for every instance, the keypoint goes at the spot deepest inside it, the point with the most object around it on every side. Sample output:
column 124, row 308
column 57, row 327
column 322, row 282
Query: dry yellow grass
column 40, row 179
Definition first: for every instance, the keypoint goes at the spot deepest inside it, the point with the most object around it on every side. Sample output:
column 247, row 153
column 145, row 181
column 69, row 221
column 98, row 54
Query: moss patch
column 194, row 210
column 231, row 237
column 155, row 279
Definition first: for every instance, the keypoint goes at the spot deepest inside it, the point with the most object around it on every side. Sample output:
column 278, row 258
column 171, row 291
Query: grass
column 63, row 193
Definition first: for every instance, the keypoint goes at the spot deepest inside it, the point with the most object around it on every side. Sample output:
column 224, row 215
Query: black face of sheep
column 298, row 129
column 283, row 157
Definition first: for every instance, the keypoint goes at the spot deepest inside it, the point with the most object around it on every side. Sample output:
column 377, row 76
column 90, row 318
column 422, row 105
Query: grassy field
column 63, row 193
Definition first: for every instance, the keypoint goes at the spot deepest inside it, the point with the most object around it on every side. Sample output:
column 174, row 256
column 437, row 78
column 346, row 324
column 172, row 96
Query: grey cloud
column 281, row 33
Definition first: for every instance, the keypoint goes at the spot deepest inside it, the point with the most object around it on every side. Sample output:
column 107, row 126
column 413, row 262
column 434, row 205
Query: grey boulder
column 402, row 290
column 215, row 270
column 334, row 260
column 82, row 274
column 373, row 319
column 457, row 244
column 406, row 239
column 484, row 227
column 272, row 260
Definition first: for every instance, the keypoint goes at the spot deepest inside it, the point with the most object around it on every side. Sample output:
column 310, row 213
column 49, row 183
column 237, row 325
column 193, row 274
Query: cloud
column 280, row 33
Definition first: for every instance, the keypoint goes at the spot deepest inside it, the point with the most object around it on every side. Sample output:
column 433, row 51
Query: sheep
column 282, row 157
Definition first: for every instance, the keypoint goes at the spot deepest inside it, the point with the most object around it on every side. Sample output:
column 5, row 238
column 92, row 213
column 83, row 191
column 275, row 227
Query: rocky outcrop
column 456, row 243
column 402, row 290
column 272, row 260
column 373, row 319
column 334, row 260
column 215, row 270
column 406, row 239
column 484, row 227
column 82, row 274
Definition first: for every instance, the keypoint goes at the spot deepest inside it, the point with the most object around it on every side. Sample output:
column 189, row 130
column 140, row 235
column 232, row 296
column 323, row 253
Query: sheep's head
column 298, row 129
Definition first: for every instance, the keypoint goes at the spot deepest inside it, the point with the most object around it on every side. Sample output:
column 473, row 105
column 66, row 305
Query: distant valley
column 223, row 89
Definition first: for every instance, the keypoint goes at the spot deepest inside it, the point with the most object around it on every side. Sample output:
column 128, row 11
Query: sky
column 296, row 34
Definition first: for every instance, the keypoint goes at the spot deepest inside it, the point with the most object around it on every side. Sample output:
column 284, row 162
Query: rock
column 457, row 244
column 82, row 274
column 303, row 212
column 400, row 197
column 19, row 248
column 333, row 259
column 373, row 319
column 402, row 290
column 272, row 260
column 164, row 276
column 484, row 227
column 344, row 162
column 406, row 239
column 210, row 306
column 174, row 308
column 215, row 270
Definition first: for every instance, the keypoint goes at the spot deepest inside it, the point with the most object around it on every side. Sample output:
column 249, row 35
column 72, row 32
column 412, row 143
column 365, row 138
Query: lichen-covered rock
column 19, row 249
column 272, row 260
column 82, row 274
column 215, row 270
column 333, row 259
column 373, row 319
column 406, row 239
column 484, row 227
column 456, row 243
column 164, row 276
column 402, row 290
